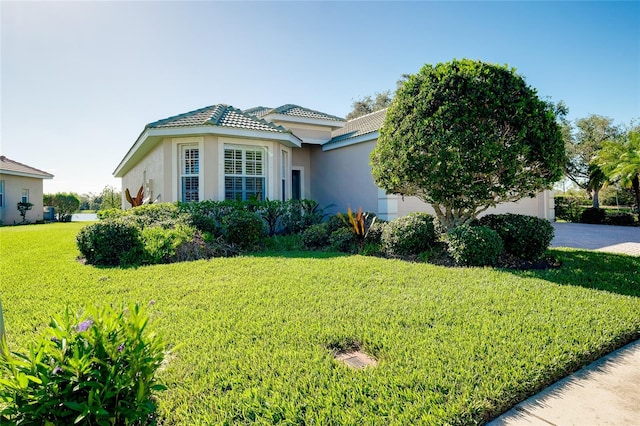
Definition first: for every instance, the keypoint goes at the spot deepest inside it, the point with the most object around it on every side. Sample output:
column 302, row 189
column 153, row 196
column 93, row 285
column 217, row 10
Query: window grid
column 244, row 173
column 189, row 174
column 25, row 196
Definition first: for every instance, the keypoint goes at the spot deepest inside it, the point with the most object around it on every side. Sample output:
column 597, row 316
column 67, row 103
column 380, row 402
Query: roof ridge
column 174, row 117
column 217, row 113
column 260, row 120
column 368, row 114
column 283, row 109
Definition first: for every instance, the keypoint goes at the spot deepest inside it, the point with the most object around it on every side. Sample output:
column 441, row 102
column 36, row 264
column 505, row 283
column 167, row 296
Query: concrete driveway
column 612, row 239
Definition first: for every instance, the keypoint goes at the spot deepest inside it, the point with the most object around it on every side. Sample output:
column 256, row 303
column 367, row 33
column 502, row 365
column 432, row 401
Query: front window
column 190, row 173
column 244, row 173
column 284, row 166
column 25, row 196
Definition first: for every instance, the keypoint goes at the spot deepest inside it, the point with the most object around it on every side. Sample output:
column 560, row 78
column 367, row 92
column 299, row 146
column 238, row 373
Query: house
column 19, row 182
column 220, row 152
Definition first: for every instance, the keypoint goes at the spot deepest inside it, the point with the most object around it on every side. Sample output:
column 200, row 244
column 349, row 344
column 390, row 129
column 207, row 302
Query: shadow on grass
column 610, row 272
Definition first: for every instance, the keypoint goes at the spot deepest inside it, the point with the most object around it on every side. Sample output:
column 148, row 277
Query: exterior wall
column 301, row 160
column 13, row 186
column 308, row 133
column 149, row 173
column 541, row 206
column 159, row 170
column 343, row 177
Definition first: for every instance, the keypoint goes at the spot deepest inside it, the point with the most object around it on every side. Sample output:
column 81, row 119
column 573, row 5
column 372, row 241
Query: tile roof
column 218, row 115
column 293, row 111
column 13, row 167
column 359, row 126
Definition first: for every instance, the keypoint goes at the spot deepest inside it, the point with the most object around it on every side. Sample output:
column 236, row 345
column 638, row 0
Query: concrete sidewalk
column 606, row 392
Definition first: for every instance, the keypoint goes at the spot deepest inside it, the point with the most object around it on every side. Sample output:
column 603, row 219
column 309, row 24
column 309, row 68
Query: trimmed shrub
column 527, row 237
column 316, row 236
column 113, row 242
column 593, row 215
column 620, row 219
column 243, row 229
column 334, row 223
column 409, row 235
column 474, row 245
column 343, row 240
column 96, row 369
column 160, row 244
column 208, row 224
column 569, row 208
column 375, row 233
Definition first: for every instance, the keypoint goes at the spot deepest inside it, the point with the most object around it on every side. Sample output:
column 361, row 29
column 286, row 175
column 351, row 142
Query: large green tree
column 466, row 135
column 620, row 162
column 582, row 143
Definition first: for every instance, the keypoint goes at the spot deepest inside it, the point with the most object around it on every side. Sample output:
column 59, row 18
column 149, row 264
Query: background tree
column 367, row 105
column 620, row 161
column 466, row 135
column 581, row 145
column 111, row 198
column 65, row 204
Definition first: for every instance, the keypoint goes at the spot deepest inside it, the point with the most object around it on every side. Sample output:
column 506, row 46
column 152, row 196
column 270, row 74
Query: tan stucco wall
column 151, row 168
column 536, row 206
column 343, row 177
column 13, row 186
column 307, row 132
column 161, row 168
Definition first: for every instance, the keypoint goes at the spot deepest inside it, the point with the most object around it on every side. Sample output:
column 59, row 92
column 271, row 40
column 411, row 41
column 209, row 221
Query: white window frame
column 186, row 171
column 25, row 195
column 284, row 175
column 244, row 174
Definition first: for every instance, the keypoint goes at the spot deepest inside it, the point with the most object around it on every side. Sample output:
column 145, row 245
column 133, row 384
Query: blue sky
column 80, row 80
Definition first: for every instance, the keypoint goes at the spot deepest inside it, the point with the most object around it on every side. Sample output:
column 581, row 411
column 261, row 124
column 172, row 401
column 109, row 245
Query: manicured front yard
column 453, row 345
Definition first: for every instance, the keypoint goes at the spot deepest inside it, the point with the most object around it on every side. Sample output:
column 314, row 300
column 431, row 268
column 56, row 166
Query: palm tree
column 620, row 161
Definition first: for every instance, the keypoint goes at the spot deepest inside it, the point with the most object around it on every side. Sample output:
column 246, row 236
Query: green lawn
column 454, row 345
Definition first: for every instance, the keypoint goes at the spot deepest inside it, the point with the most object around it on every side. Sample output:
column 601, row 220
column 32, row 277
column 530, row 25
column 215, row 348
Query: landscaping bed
column 257, row 334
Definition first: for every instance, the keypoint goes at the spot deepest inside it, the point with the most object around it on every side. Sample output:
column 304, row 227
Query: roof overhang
column 351, row 141
column 25, row 174
column 150, row 137
column 333, row 124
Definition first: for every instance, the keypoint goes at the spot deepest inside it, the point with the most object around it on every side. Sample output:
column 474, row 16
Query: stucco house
column 220, row 152
column 19, row 182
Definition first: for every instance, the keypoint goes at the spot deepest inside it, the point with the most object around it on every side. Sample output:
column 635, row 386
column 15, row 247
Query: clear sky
column 79, row 80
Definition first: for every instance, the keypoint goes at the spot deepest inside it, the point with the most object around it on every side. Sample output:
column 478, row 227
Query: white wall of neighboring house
column 13, row 187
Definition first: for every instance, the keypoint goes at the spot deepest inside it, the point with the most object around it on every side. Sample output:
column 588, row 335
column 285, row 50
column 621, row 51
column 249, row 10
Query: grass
column 454, row 345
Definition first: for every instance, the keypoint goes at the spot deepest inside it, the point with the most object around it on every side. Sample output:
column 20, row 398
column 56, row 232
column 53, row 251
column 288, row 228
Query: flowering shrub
column 98, row 368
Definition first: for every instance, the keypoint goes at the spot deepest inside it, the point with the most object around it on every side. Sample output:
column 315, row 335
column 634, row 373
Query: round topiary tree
column 466, row 135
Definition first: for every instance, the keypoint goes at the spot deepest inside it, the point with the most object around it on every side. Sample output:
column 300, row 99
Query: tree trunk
column 596, row 198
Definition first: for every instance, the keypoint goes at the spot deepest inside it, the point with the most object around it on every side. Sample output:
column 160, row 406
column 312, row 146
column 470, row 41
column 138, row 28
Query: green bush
column 335, row 222
column 569, row 208
column 593, row 215
column 113, row 242
column 343, row 240
column 160, row 244
column 374, row 236
column 409, row 235
column 527, row 237
column 243, row 229
column 620, row 219
column 298, row 215
column 316, row 236
column 99, row 369
column 474, row 245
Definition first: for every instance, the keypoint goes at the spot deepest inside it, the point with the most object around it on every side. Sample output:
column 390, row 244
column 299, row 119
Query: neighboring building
column 19, row 182
column 219, row 152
